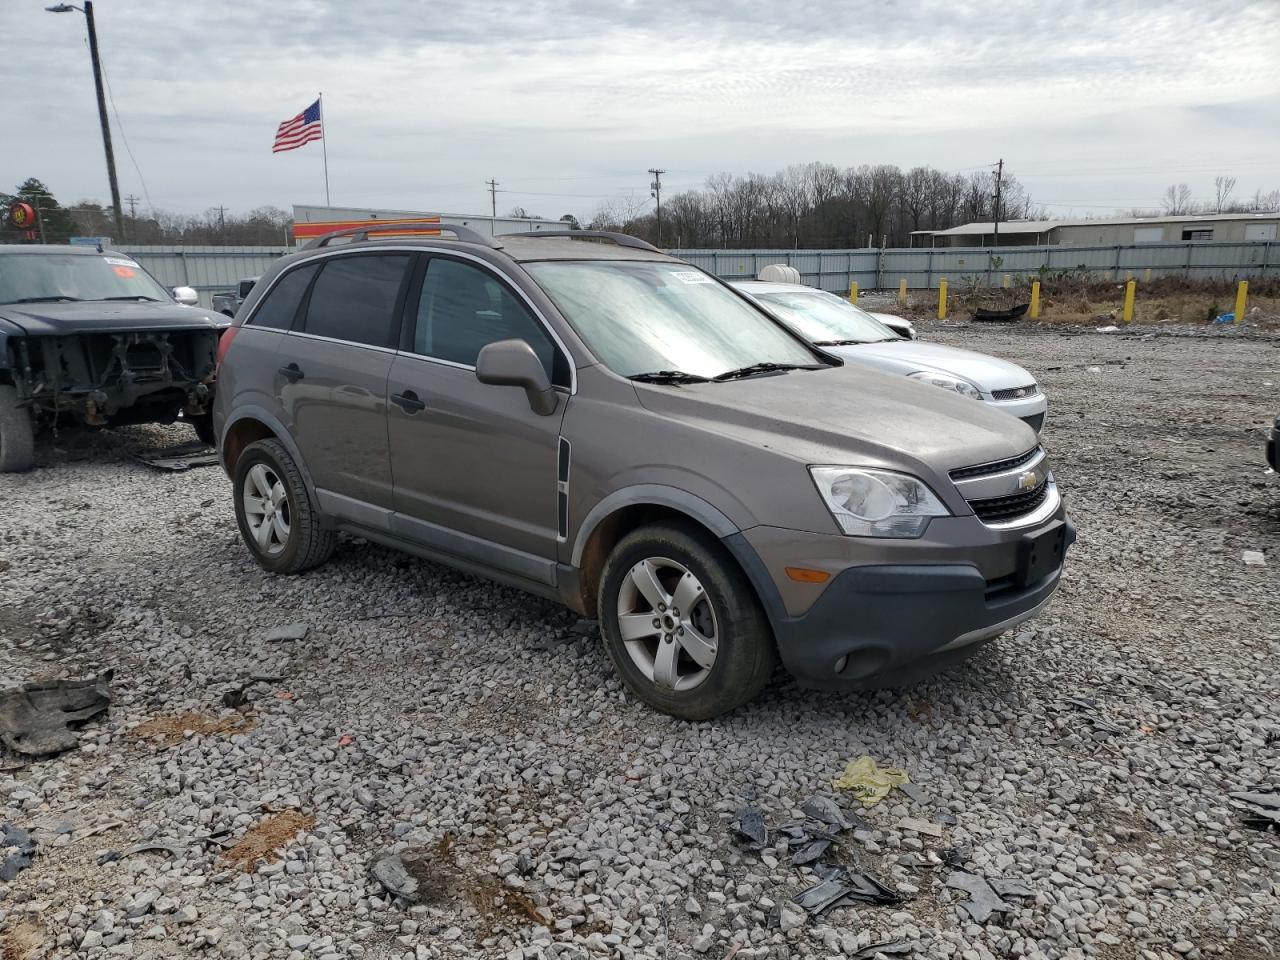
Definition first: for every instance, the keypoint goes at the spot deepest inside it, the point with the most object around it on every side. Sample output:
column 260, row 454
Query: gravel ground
column 482, row 732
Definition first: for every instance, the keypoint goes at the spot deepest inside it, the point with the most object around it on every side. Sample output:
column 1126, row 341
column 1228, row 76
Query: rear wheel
column 17, row 433
column 681, row 623
column 277, row 520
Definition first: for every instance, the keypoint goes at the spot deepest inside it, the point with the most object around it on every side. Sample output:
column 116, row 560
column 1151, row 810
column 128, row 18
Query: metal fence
column 923, row 268
column 212, row 269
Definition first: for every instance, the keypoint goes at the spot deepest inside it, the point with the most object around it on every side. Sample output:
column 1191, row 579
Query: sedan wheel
column 668, row 623
column 266, row 509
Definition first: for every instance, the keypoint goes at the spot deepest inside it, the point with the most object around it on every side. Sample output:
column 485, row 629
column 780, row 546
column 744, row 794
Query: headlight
column 948, row 382
column 877, row 503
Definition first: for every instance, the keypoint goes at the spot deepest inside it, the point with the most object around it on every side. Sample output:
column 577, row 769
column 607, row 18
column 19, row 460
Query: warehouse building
column 1221, row 227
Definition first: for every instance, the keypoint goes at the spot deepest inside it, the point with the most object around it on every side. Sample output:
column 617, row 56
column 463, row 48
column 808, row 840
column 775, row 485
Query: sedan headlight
column 948, row 382
column 877, row 503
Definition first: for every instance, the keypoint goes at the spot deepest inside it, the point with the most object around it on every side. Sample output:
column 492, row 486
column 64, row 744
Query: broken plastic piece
column 885, row 947
column 172, row 849
column 868, row 782
column 288, row 633
column 389, row 871
column 185, row 456
column 22, row 848
column 848, row 886
column 810, row 852
column 36, row 718
column 828, row 811
column 751, row 826
column 822, row 896
column 983, row 901
column 1008, row 887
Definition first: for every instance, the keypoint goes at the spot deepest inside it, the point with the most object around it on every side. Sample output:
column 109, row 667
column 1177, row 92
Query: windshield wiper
column 135, row 296
column 45, row 300
column 766, row 367
column 668, row 376
column 840, row 343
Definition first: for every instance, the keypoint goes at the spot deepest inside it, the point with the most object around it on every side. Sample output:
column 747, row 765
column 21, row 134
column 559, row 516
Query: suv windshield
column 824, row 318
column 52, row 277
column 643, row 317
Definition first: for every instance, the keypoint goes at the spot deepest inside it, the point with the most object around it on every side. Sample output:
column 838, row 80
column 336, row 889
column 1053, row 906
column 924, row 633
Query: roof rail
column 621, row 239
column 465, row 234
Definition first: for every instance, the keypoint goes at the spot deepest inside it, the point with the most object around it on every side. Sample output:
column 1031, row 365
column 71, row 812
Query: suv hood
column 104, row 316
column 909, row 356
column 848, row 415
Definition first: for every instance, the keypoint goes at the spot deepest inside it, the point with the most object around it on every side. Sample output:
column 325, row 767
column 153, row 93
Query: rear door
column 332, row 379
column 475, row 468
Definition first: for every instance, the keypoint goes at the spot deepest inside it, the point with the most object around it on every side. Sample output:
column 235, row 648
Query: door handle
column 408, row 402
column 293, row 373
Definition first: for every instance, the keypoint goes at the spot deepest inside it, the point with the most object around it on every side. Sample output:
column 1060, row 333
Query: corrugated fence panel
column 214, row 269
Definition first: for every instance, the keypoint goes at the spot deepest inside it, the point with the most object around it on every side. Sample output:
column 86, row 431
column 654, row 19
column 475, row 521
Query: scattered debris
column 389, row 871
column 1263, row 803
column 158, row 846
column 868, row 782
column 888, row 947
column 955, row 857
column 811, row 851
column 288, row 633
column 1225, row 317
column 920, row 826
column 751, row 827
column 1009, row 887
column 237, row 696
column 185, row 456
column 1093, row 369
column 171, row 729
column 843, row 888
column 18, row 848
column 983, row 900
column 264, row 839
column 1090, row 707
column 914, row 792
column 1109, row 328
column 36, row 718
column 1255, row 558
column 828, row 811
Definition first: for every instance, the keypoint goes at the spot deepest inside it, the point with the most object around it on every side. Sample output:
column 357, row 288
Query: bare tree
column 1177, row 200
column 1222, row 187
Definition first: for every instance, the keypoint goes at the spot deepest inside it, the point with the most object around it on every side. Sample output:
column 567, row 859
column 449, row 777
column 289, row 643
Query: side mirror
column 512, row 363
column 186, row 296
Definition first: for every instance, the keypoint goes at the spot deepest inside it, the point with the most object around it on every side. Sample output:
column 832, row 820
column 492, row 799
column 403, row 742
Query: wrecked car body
column 89, row 337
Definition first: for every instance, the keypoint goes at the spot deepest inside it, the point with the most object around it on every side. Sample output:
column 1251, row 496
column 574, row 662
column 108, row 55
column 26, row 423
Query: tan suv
column 581, row 416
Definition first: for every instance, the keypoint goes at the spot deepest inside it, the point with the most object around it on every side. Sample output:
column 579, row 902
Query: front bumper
column 874, row 621
column 1030, row 410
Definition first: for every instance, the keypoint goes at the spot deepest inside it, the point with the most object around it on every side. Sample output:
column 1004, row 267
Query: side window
column 280, row 305
column 354, row 298
column 465, row 308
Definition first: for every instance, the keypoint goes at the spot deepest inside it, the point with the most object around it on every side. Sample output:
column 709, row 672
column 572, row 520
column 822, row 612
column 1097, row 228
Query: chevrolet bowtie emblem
column 1028, row 481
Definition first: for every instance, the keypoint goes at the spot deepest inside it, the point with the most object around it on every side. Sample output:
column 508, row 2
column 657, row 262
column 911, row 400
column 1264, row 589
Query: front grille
column 999, row 466
column 1035, row 422
column 1016, row 393
column 1001, row 509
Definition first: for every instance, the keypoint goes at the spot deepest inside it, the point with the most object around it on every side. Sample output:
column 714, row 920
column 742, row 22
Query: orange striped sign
column 413, row 226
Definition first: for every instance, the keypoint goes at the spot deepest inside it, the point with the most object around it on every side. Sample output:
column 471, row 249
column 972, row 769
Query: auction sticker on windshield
column 118, row 262
column 691, row 276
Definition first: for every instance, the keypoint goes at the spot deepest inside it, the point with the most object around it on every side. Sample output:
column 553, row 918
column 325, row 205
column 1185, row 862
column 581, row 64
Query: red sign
column 21, row 215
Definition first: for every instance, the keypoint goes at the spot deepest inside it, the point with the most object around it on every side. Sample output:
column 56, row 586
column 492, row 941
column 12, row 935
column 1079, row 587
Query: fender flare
column 654, row 494
column 251, row 411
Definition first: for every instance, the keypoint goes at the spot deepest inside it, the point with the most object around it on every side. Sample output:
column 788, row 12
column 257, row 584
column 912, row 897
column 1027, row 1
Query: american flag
column 298, row 130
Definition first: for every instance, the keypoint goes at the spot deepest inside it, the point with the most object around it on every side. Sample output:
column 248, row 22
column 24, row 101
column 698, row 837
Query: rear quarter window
column 280, row 305
column 355, row 297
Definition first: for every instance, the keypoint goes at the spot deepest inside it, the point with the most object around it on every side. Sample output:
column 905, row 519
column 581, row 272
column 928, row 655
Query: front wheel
column 681, row 623
column 17, row 433
column 277, row 520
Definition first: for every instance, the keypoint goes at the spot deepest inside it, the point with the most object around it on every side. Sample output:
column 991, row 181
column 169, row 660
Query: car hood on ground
column 908, row 356
column 98, row 316
column 848, row 415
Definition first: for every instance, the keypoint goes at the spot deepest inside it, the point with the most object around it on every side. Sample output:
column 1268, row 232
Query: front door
column 332, row 381
column 474, row 466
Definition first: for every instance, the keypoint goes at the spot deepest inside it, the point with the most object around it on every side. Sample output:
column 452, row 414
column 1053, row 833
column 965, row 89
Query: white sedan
column 835, row 324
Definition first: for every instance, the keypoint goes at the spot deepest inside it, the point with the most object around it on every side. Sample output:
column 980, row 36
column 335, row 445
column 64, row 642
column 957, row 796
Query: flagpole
column 324, row 147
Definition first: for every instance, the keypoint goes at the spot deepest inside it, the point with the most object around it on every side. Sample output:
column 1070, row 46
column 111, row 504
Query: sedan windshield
column 54, row 277
column 655, row 317
column 824, row 318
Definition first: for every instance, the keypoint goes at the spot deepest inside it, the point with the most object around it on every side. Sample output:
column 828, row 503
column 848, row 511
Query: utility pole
column 493, row 197
column 656, row 187
column 222, row 222
column 132, row 201
column 102, row 107
column 996, row 217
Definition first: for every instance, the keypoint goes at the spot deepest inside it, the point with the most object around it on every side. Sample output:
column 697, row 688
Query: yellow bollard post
column 1106, row 275
column 1146, row 275
column 1242, row 296
column 1128, row 301
column 1005, row 283
column 902, row 292
column 853, row 290
column 942, row 299
column 1035, row 300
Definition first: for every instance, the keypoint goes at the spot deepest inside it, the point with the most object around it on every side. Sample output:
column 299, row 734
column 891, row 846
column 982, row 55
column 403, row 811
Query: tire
column 689, row 563
column 202, row 423
column 304, row 543
column 17, row 433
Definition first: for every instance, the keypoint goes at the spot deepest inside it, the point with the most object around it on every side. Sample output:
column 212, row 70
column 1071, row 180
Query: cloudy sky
column 1093, row 105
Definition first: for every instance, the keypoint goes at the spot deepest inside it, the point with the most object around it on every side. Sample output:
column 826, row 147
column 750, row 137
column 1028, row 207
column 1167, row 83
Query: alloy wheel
column 266, row 509
column 668, row 624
